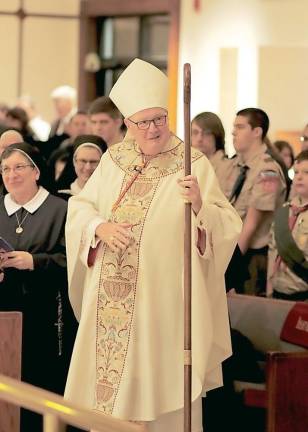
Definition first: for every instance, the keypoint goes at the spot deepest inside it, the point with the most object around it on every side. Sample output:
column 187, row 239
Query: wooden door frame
column 91, row 9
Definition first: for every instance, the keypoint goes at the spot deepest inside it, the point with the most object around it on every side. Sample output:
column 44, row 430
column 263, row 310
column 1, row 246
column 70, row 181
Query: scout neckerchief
column 239, row 183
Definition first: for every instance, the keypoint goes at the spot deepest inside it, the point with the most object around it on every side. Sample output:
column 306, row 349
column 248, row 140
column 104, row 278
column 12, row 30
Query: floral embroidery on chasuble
column 119, row 270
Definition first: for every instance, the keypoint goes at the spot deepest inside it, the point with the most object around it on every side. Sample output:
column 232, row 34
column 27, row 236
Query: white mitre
column 139, row 87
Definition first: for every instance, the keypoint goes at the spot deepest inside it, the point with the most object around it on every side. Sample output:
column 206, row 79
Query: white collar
column 31, row 206
column 75, row 188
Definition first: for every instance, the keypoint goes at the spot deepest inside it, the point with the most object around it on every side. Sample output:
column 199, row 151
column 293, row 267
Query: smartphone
column 5, row 245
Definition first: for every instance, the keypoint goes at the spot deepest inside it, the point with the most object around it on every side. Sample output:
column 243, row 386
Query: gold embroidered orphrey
column 119, row 270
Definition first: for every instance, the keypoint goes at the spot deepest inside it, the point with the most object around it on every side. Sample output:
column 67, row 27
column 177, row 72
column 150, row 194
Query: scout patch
column 269, row 180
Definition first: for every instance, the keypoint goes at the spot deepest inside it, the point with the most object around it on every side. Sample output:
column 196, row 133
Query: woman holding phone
column 33, row 271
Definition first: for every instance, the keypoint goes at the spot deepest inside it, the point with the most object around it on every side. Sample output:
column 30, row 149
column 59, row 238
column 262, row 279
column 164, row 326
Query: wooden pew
column 10, row 364
column 285, row 392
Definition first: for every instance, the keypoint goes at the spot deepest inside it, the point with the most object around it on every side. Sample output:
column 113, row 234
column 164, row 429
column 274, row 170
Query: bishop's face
column 150, row 129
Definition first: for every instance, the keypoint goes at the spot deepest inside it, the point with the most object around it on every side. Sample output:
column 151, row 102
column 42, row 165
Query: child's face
column 300, row 180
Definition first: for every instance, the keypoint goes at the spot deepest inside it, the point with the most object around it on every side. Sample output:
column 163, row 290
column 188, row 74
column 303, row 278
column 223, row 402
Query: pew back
column 261, row 321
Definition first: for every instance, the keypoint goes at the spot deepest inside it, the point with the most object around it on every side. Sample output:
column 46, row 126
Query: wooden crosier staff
column 187, row 257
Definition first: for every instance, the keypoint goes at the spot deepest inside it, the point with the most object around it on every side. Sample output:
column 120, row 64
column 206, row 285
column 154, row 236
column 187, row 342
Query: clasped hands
column 20, row 260
column 190, row 192
column 116, row 235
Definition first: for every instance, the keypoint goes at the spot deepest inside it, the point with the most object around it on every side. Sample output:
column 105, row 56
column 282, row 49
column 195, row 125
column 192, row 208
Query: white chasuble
column 128, row 354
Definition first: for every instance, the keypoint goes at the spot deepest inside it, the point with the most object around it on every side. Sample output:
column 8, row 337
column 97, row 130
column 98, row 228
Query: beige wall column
column 49, row 49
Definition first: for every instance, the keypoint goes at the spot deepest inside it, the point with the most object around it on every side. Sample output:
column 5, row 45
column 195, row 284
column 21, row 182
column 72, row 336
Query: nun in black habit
column 86, row 153
column 33, row 276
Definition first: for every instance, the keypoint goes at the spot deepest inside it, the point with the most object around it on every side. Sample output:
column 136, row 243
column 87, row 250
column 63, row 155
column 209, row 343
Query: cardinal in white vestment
column 124, row 237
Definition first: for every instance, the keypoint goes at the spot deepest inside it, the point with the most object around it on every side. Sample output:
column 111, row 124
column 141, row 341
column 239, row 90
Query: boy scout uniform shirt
column 264, row 189
column 222, row 166
column 217, row 159
column 284, row 280
column 228, row 173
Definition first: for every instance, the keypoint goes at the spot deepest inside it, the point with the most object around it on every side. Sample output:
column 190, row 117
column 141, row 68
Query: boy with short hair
column 106, row 120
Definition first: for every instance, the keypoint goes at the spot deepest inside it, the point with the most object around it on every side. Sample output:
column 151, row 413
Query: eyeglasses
column 303, row 138
column 83, row 162
column 145, row 124
column 17, row 169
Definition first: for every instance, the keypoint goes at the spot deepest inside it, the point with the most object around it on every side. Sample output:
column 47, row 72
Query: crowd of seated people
column 43, row 165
